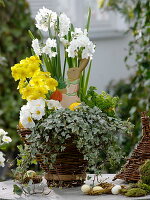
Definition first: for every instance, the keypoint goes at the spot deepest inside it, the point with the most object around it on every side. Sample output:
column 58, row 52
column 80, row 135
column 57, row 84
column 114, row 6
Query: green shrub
column 134, row 93
column 105, row 102
column 15, row 44
column 10, row 102
column 15, row 22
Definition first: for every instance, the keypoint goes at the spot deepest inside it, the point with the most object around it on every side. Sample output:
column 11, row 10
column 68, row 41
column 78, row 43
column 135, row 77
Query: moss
column 135, row 192
column 145, row 172
column 123, row 191
column 133, row 185
column 144, row 187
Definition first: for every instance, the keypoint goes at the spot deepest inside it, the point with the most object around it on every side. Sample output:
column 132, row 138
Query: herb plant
column 105, row 102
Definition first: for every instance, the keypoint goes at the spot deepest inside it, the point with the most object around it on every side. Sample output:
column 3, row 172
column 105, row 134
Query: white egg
column 116, row 189
column 97, row 189
column 85, row 188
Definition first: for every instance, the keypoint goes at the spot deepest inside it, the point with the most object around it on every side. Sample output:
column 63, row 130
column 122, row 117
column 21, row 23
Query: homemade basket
column 130, row 171
column 69, row 169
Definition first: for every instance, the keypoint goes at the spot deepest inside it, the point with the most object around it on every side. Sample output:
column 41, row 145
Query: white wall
column 108, row 61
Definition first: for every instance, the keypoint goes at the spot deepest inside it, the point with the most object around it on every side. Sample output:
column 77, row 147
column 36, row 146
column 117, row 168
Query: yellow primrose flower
column 51, row 84
column 14, row 71
column 42, row 74
column 23, row 73
column 32, row 69
column 22, row 84
column 31, row 59
column 74, row 106
column 36, row 81
column 39, row 92
column 27, row 91
column 19, row 72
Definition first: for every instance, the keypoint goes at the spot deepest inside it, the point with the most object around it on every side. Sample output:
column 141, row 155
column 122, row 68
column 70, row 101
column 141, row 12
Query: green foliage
column 145, row 172
column 14, row 39
column 15, row 44
column 24, row 161
column 134, row 94
column 105, row 102
column 9, row 103
column 17, row 190
column 135, row 192
column 144, row 187
column 132, row 103
column 2, row 3
column 93, row 132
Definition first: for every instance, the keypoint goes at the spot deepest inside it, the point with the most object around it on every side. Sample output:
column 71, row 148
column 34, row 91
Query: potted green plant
column 65, row 135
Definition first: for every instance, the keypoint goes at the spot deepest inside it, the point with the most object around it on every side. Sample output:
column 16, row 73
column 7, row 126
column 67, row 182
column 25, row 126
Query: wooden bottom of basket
column 65, row 180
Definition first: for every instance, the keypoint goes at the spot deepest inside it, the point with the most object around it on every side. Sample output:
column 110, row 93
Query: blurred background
column 121, row 63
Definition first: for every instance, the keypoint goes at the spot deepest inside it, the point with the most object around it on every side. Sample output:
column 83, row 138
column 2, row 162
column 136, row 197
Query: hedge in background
column 135, row 92
column 15, row 20
column 15, row 44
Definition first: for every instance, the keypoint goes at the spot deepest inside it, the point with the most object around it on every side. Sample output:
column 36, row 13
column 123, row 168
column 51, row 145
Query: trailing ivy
column 93, row 132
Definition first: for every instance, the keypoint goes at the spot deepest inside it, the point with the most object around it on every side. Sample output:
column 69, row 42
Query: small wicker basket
column 69, row 169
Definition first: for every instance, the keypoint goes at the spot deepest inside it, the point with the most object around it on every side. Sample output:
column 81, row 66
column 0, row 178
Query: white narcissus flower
column 81, row 42
column 78, row 32
column 27, row 121
column 38, row 112
column 2, row 132
column 44, row 17
column 2, row 159
column 36, row 47
column 64, row 41
column 6, row 139
column 53, row 104
column 64, row 24
column 50, row 43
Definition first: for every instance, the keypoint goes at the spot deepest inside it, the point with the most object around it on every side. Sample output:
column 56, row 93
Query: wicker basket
column 130, row 171
column 69, row 169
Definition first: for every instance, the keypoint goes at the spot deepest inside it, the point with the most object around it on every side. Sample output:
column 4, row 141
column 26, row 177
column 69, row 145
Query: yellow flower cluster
column 74, row 106
column 33, row 83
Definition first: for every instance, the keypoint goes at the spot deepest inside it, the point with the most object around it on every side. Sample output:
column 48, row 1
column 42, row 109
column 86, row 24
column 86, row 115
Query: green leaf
column 2, row 3
column 17, row 190
column 31, row 35
column 88, row 20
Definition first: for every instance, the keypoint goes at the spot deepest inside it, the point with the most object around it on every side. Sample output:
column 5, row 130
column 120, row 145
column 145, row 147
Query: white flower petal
column 43, row 17
column 2, row 132
column 36, row 47
column 6, row 139
column 53, row 104
column 64, row 24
